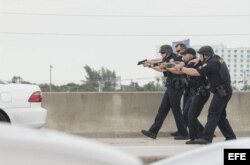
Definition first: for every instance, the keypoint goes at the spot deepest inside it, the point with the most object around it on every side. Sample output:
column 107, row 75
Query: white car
column 25, row 146
column 20, row 104
column 212, row 154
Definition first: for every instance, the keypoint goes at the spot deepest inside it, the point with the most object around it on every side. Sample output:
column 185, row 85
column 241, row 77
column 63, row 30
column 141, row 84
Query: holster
column 201, row 91
column 220, row 90
column 176, row 83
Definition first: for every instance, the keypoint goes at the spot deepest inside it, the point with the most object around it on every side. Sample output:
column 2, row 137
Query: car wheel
column 3, row 118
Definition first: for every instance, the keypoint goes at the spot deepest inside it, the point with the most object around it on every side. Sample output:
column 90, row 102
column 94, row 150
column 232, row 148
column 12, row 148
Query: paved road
column 150, row 150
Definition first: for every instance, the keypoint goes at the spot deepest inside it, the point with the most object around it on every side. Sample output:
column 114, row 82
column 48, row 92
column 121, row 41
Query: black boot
column 149, row 134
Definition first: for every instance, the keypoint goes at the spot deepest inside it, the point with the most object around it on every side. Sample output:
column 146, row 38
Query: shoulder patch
column 221, row 60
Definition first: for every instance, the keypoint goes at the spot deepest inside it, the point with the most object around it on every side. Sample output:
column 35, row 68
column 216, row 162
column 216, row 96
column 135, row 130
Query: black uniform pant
column 217, row 117
column 171, row 99
column 187, row 100
column 186, row 96
column 197, row 104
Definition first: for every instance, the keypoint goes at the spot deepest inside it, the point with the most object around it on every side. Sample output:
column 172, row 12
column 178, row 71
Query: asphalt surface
column 150, row 150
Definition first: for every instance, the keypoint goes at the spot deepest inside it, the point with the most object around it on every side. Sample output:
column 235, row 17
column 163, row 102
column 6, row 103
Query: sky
column 115, row 34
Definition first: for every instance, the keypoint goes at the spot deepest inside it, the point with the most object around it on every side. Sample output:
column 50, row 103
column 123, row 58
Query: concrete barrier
column 119, row 114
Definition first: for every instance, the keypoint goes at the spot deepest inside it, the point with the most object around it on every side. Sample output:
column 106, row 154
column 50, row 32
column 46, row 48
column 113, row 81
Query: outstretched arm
column 171, row 68
column 188, row 71
column 159, row 69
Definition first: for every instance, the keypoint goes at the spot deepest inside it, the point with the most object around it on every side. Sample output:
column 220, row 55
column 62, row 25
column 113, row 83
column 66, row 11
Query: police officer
column 215, row 69
column 171, row 98
column 180, row 48
column 197, row 96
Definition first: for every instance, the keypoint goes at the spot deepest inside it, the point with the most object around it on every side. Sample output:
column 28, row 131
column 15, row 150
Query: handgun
column 141, row 62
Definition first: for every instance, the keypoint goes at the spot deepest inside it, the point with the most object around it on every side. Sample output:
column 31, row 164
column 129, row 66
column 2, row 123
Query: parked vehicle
column 20, row 104
column 212, row 154
column 26, row 146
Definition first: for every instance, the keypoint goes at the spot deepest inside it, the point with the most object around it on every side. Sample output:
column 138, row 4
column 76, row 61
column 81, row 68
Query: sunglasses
column 163, row 52
column 177, row 51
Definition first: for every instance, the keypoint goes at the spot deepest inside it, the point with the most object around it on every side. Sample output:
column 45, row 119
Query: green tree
column 104, row 78
column 70, row 87
column 150, row 86
column 16, row 79
column 108, row 78
column 92, row 79
column 133, row 86
column 44, row 87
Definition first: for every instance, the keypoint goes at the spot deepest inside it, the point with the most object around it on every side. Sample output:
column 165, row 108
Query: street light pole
column 50, row 77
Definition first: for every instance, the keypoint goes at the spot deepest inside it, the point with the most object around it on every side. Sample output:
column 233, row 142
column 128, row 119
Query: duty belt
column 177, row 83
column 221, row 90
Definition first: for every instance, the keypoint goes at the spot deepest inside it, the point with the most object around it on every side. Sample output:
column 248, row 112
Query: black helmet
column 206, row 50
column 166, row 49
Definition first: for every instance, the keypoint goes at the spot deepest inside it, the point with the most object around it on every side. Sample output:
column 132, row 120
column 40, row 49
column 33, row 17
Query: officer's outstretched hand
column 146, row 64
column 195, row 61
column 178, row 67
column 180, row 63
column 162, row 66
